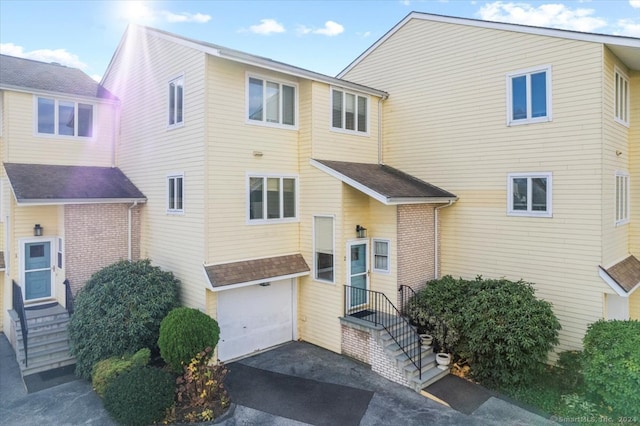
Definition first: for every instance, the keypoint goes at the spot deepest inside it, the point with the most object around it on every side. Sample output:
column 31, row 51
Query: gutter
column 436, row 238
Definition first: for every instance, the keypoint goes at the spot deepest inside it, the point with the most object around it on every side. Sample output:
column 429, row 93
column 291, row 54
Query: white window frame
column 264, row 219
column 56, row 112
column 333, row 248
column 530, row 212
column 173, row 209
column 263, row 121
column 177, row 81
column 622, row 202
column 527, row 73
column 60, row 253
column 621, row 97
column 357, row 95
column 374, row 254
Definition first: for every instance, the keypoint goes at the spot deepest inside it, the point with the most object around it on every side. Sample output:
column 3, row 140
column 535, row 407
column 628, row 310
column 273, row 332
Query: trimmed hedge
column 498, row 326
column 119, row 311
column 108, row 369
column 611, row 361
column 184, row 333
column 141, row 396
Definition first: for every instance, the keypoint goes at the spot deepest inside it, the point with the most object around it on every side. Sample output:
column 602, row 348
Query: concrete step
column 44, row 335
column 53, row 343
column 428, row 377
column 38, row 366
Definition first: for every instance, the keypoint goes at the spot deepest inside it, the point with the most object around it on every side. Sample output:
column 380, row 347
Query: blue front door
column 37, row 270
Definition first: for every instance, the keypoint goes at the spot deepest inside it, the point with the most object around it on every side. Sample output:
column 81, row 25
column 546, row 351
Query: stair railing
column 68, row 297
column 385, row 314
column 18, row 306
column 436, row 324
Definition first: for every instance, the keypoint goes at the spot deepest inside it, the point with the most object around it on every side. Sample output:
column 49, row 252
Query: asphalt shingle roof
column 256, row 270
column 40, row 183
column 626, row 273
column 48, row 77
column 387, row 181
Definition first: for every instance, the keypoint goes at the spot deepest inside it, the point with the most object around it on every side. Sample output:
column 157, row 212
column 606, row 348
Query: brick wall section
column 381, row 364
column 355, row 344
column 416, row 234
column 95, row 236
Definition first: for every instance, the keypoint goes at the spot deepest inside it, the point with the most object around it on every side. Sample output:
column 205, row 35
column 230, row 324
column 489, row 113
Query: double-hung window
column 271, row 102
column 621, row 88
column 176, row 102
column 175, row 193
column 622, row 198
column 272, row 198
column 529, row 96
column 64, row 118
column 529, row 194
column 349, row 111
column 323, row 248
column 381, row 255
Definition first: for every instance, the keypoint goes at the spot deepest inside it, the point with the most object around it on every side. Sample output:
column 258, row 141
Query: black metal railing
column 68, row 297
column 423, row 317
column 18, row 306
column 375, row 307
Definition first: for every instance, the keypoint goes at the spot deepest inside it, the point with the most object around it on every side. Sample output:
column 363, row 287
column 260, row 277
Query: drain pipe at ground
column 435, row 243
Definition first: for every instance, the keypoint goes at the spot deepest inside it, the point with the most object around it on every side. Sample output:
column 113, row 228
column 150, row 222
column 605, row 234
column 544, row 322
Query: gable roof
column 29, row 75
column 38, row 184
column 256, row 271
column 624, row 276
column 625, row 48
column 245, row 58
column 386, row 184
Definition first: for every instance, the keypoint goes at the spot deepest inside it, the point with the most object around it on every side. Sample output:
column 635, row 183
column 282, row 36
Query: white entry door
column 37, row 270
column 255, row 317
column 358, row 270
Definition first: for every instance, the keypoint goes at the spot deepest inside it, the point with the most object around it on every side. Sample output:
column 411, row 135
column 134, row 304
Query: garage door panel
column 254, row 318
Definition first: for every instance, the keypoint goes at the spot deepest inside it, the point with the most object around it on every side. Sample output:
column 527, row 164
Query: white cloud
column 198, row 18
column 628, row 27
column 364, row 34
column 635, row 3
column 267, row 27
column 330, row 29
column 60, row 56
column 545, row 15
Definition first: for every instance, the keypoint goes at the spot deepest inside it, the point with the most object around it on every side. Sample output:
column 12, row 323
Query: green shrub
column 108, row 369
column 119, row 311
column 185, row 332
column 612, row 365
column 570, row 365
column 140, row 396
column 200, row 394
column 498, row 326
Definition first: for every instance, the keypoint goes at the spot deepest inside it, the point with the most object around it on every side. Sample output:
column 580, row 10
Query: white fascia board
column 57, row 202
column 614, row 285
column 250, row 283
column 421, row 200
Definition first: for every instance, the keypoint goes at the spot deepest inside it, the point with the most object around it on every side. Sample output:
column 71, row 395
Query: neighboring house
column 66, row 211
column 538, row 132
column 257, row 175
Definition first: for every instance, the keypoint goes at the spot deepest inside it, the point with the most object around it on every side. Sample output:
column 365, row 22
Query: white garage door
column 254, row 318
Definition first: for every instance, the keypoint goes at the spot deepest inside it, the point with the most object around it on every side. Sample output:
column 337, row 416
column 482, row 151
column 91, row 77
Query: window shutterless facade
column 175, row 193
column 621, row 88
column 176, row 102
column 381, row 255
column 271, row 102
column 272, row 198
column 349, row 111
column 622, row 198
column 529, row 194
column 529, row 96
column 323, row 249
column 64, row 118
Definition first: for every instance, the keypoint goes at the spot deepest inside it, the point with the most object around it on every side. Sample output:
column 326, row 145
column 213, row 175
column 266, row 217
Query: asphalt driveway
column 294, row 384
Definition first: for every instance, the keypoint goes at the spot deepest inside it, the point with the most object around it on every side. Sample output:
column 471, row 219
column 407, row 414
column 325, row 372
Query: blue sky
column 323, row 36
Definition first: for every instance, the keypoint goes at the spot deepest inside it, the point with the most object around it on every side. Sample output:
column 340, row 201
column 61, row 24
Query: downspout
column 435, row 242
column 380, row 101
column 129, row 226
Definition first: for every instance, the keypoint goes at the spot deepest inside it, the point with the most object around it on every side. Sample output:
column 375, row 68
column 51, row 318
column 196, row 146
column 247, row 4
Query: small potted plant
column 426, row 340
column 443, row 359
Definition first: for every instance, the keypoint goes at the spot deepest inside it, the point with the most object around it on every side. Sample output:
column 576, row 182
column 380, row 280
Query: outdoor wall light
column 265, row 284
column 361, row 231
column 37, row 230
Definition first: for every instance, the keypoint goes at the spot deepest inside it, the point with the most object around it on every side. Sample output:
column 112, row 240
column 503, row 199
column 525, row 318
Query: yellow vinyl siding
column 28, row 147
column 447, row 105
column 139, row 76
column 634, row 306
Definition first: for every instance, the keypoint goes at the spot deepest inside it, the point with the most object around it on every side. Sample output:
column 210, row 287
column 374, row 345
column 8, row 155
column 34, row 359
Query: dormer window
column 64, row 118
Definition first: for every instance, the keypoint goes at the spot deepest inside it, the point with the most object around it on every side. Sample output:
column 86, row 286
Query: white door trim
column 21, row 261
column 351, row 243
